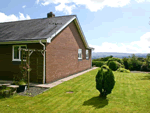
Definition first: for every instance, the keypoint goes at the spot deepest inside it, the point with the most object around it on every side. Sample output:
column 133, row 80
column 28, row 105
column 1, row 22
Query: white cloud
column 12, row 17
column 141, row 46
column 66, row 9
column 139, row 1
column 37, row 1
column 24, row 6
column 92, row 5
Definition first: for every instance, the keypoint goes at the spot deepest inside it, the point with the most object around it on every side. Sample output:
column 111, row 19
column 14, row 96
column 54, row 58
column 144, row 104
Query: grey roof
column 34, row 29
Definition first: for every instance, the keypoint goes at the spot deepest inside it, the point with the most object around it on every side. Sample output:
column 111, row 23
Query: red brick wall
column 62, row 55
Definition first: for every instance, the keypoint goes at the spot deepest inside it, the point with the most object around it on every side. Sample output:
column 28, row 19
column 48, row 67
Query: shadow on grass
column 97, row 102
column 146, row 77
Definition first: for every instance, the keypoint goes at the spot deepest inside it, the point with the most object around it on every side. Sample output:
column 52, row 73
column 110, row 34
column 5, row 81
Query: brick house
column 67, row 51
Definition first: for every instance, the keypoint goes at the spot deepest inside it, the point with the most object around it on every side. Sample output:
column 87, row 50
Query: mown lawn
column 130, row 94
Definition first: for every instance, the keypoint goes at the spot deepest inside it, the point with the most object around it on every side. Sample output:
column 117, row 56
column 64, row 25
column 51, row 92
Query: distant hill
column 96, row 55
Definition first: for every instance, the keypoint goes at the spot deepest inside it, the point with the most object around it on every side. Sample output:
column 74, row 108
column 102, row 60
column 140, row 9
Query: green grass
column 130, row 94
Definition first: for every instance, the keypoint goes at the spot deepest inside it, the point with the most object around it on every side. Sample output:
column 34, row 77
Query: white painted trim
column 43, row 62
column 81, row 32
column 19, row 52
column 58, row 31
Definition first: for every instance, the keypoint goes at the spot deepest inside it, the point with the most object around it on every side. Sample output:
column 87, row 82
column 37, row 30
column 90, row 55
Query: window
column 16, row 53
column 79, row 53
column 87, row 54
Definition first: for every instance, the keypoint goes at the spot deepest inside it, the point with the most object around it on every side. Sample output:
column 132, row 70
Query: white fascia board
column 81, row 32
column 58, row 31
column 26, row 41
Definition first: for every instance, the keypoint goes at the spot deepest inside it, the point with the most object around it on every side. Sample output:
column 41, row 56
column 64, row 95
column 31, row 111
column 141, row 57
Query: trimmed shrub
column 116, row 59
column 105, row 62
column 123, row 70
column 105, row 82
column 119, row 65
column 113, row 65
column 104, row 67
column 98, row 63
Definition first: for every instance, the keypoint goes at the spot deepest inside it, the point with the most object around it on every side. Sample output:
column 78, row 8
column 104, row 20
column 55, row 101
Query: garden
column 133, row 63
column 130, row 94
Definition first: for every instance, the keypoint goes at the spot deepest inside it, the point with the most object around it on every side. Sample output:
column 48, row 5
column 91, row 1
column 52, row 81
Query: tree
column 125, row 62
column 105, row 82
column 148, row 61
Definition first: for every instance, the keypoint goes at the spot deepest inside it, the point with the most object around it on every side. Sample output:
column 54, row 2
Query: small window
column 87, row 54
column 16, row 53
column 79, row 53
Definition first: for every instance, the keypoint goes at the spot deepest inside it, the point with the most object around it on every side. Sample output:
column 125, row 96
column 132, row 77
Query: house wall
column 9, row 68
column 62, row 55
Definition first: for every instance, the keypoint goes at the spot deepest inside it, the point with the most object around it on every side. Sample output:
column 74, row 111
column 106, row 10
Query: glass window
column 16, row 52
column 79, row 53
column 87, row 54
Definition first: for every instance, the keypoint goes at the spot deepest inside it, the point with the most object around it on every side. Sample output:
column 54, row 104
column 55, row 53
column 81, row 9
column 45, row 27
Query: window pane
column 87, row 54
column 24, row 52
column 80, row 53
column 16, row 52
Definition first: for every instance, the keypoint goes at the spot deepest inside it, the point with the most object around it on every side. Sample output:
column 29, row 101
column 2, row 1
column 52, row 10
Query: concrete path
column 50, row 85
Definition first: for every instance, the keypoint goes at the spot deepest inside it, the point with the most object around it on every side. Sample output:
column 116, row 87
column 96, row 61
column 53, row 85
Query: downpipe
column 43, row 61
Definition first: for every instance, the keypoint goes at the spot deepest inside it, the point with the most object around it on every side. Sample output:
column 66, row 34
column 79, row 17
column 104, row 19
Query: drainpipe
column 43, row 62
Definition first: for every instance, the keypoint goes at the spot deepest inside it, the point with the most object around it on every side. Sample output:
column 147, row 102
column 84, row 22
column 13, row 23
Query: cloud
column 37, row 1
column 24, row 6
column 139, row 1
column 66, row 9
column 12, row 17
column 141, row 46
column 92, row 5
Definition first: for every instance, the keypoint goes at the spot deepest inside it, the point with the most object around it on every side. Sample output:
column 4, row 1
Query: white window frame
column 87, row 54
column 19, row 52
column 80, row 52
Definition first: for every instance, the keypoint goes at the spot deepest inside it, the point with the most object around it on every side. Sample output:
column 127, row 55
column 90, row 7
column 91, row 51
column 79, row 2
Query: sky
column 108, row 25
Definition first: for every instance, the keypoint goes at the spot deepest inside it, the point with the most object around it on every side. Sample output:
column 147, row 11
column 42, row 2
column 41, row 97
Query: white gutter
column 43, row 62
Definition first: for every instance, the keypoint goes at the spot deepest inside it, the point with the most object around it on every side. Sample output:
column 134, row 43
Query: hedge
column 98, row 63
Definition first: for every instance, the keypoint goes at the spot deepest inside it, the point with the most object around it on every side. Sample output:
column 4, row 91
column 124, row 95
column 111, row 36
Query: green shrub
column 113, row 65
column 106, row 58
column 98, row 63
column 144, row 67
column 119, row 65
column 105, row 82
column 116, row 59
column 104, row 67
column 123, row 70
column 126, row 63
column 22, row 82
column 105, row 62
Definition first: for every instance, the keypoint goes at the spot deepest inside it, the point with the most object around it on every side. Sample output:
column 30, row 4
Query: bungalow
column 66, row 50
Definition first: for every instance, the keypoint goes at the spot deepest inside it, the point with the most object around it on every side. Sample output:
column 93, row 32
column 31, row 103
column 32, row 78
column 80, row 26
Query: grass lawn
column 130, row 94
